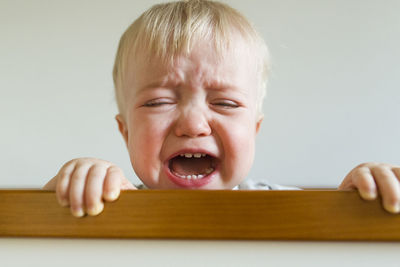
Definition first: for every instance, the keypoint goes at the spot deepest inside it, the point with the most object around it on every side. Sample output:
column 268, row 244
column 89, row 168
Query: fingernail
column 113, row 195
column 392, row 208
column 369, row 195
column 77, row 212
column 63, row 202
column 96, row 210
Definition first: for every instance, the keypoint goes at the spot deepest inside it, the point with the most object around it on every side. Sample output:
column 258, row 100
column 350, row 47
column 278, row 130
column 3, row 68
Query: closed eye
column 226, row 104
column 158, row 102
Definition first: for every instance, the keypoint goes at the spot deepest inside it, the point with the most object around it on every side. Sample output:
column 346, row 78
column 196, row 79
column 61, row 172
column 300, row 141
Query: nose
column 192, row 122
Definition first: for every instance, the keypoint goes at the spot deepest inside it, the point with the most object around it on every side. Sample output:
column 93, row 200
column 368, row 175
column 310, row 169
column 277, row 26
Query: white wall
column 66, row 252
column 333, row 101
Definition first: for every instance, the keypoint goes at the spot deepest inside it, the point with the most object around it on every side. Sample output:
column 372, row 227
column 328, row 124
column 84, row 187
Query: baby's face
column 192, row 125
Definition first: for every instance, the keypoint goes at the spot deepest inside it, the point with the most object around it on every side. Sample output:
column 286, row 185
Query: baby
column 190, row 78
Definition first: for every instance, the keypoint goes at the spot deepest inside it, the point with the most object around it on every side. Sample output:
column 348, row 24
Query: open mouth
column 192, row 169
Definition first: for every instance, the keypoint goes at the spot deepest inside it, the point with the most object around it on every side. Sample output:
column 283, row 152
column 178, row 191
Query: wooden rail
column 181, row 214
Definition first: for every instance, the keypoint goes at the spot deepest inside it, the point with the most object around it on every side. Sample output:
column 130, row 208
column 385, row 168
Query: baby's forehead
column 202, row 67
column 203, row 57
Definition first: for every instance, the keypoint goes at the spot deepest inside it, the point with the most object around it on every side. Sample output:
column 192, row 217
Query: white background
column 333, row 100
column 60, row 252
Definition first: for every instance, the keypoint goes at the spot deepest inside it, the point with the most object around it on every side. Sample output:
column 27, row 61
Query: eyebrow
column 221, row 86
column 212, row 86
column 156, row 84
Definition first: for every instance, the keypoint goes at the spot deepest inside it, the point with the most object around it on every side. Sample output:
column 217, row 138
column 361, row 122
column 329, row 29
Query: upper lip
column 191, row 151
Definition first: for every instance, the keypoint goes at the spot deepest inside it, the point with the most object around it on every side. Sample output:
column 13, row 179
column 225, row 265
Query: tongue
column 189, row 166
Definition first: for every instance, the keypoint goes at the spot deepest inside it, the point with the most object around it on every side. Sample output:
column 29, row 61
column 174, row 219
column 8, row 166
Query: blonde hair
column 170, row 29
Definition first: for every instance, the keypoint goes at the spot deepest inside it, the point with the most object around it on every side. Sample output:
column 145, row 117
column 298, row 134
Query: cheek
column 238, row 140
column 146, row 138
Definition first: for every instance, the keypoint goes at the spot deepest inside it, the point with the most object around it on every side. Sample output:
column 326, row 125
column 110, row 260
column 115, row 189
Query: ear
column 123, row 129
column 258, row 123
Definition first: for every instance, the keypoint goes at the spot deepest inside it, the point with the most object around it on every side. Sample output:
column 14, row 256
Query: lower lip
column 189, row 183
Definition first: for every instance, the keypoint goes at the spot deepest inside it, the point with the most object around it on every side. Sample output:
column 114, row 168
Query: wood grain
column 186, row 214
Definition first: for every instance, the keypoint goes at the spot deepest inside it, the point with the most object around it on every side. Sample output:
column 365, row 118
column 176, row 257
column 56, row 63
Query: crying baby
column 190, row 79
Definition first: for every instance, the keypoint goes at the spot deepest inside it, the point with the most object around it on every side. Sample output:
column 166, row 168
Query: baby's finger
column 63, row 180
column 94, row 189
column 396, row 171
column 76, row 189
column 389, row 188
column 364, row 181
column 112, row 183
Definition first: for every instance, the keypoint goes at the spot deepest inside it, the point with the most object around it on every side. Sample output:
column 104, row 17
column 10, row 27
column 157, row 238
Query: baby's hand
column 83, row 184
column 371, row 177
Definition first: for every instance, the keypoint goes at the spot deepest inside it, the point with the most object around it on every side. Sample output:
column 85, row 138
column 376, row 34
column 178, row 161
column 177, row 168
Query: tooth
column 209, row 170
column 199, row 176
column 197, row 155
column 203, row 155
column 188, row 155
column 180, row 175
column 182, row 155
column 188, row 177
column 194, row 176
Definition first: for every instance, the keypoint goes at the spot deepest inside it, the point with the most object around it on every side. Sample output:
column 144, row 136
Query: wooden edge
column 198, row 214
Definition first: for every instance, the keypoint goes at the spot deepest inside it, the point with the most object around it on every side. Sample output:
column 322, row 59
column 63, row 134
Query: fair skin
column 374, row 178
column 198, row 105
column 195, row 118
